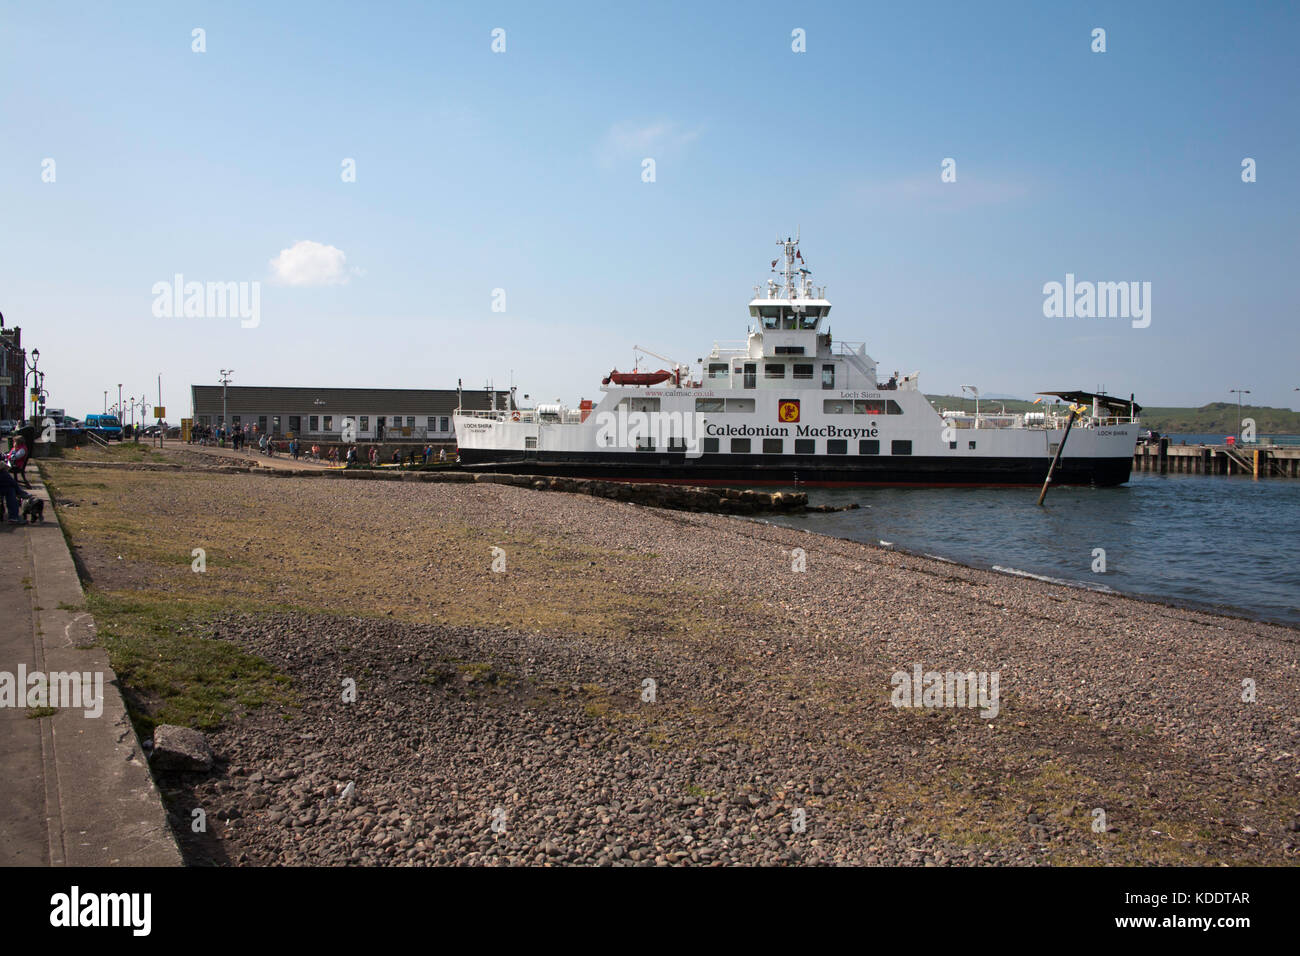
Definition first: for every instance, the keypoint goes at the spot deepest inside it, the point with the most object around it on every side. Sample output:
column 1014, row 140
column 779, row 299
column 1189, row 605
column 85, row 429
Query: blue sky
column 522, row 171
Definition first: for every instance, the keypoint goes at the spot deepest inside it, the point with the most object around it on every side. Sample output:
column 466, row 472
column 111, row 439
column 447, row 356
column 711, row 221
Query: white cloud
column 310, row 263
column 639, row 140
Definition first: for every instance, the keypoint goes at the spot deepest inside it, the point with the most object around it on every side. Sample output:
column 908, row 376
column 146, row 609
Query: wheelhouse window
column 803, row 373
column 773, row 446
column 719, row 370
column 774, row 370
column 900, row 447
column 740, row 446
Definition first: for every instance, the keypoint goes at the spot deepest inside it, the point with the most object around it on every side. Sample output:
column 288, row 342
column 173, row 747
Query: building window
column 234, row 419
column 805, row 446
column 365, row 423
column 446, row 423
column 803, row 373
column 710, row 446
column 261, row 423
column 432, row 423
column 311, row 423
column 773, row 446
column 774, row 370
column 900, row 447
column 869, row 446
column 295, row 424
column 329, row 423
column 275, row 423
column 410, row 421
column 837, row 446
column 828, row 376
column 740, row 446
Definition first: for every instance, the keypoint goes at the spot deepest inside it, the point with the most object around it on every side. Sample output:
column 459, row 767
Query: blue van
column 105, row 426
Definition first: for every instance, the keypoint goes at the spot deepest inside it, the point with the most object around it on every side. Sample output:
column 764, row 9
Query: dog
column 33, row 510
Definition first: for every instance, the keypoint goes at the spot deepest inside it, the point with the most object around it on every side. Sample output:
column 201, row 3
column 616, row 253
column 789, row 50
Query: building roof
column 286, row 400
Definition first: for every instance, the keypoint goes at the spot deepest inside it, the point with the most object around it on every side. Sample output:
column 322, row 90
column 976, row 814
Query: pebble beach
column 645, row 687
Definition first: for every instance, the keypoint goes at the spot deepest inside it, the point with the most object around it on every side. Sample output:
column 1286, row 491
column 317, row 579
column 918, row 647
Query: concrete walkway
column 75, row 790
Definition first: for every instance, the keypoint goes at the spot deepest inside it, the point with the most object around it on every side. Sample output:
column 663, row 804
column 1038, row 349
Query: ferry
column 789, row 405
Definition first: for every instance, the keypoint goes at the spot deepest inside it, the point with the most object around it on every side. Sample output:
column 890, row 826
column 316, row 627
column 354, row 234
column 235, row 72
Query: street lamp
column 119, row 405
column 30, row 372
column 1240, row 392
column 225, row 383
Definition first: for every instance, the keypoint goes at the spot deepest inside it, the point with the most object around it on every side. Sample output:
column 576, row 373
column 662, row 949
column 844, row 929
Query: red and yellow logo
column 788, row 410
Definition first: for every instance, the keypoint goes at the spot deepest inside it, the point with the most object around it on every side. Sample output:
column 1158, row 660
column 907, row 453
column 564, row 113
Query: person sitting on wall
column 17, row 460
column 11, row 492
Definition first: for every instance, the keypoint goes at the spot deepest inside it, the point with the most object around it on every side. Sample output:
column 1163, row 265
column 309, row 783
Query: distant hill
column 1208, row 419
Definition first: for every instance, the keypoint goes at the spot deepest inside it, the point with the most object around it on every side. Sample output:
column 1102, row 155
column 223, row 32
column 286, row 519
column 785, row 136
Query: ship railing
column 733, row 347
column 570, row 416
column 1043, row 420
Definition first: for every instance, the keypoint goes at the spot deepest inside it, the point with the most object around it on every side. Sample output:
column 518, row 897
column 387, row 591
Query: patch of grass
column 171, row 674
column 36, row 713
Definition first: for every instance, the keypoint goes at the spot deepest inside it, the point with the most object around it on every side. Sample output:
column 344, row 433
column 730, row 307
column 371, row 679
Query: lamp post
column 225, row 384
column 1240, row 392
column 105, row 401
column 119, row 406
column 30, row 372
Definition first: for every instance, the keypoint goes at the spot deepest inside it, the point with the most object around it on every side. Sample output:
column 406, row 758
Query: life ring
column 514, row 416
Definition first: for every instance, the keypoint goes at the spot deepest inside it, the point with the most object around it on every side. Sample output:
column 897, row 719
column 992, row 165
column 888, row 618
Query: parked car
column 8, row 426
column 105, row 426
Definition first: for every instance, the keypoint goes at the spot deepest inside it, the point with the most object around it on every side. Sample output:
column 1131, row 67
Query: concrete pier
column 1257, row 461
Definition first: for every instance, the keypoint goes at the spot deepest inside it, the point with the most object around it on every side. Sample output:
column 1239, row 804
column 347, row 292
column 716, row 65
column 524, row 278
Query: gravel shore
column 516, row 698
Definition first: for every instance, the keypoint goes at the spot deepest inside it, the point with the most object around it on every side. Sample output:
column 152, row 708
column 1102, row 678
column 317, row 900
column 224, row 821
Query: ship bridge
column 790, row 340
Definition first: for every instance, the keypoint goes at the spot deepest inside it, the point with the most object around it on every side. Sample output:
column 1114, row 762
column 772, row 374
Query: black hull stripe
column 790, row 470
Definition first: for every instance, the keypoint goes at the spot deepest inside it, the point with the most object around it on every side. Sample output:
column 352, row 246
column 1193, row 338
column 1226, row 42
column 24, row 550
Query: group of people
column 221, row 434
